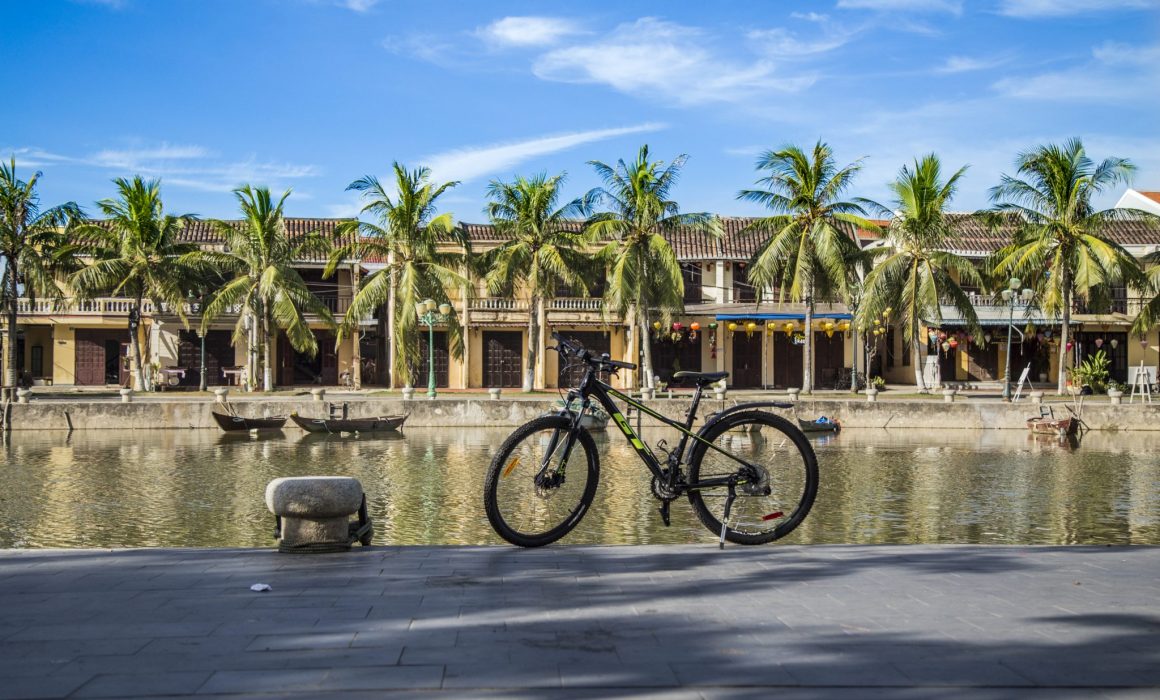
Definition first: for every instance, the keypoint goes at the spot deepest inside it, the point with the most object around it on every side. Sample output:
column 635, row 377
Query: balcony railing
column 498, row 304
column 576, row 304
column 120, row 306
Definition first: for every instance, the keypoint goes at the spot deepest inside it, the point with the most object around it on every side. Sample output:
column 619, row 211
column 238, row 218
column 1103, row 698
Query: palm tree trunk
column 10, row 336
column 268, row 352
column 392, row 291
column 533, row 342
column 919, row 363
column 853, row 359
column 135, row 367
column 807, row 354
column 646, row 354
column 1064, row 355
column 356, row 354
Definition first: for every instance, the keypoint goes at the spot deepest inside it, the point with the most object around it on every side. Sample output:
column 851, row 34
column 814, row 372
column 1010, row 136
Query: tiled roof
column 1154, row 196
column 975, row 237
column 202, row 230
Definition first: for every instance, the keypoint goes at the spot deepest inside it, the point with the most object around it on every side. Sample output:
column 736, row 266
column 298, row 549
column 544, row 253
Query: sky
column 313, row 94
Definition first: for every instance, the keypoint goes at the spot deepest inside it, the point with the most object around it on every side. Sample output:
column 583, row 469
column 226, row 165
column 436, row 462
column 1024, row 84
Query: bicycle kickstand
column 725, row 517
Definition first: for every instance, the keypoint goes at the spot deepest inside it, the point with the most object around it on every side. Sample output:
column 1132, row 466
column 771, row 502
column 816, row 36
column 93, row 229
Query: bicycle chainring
column 662, row 492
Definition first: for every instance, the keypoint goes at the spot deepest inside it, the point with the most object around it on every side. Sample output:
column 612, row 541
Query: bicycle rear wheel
column 532, row 496
column 789, row 470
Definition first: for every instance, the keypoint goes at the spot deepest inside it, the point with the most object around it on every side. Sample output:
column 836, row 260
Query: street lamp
column 1011, row 298
column 429, row 318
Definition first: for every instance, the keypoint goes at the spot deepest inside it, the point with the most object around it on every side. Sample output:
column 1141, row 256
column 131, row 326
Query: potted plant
column 1115, row 389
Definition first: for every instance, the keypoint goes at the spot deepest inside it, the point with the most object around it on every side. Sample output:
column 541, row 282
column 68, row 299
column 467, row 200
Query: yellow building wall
column 64, row 356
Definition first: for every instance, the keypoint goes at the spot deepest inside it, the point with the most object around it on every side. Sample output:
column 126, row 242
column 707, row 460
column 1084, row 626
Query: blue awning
column 781, row 316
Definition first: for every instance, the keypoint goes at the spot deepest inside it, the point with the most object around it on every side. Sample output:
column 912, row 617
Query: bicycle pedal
column 665, row 513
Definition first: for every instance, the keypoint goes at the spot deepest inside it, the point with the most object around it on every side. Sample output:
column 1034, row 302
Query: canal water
column 205, row 489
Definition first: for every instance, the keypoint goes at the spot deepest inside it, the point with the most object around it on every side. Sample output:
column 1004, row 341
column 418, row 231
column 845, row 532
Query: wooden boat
column 349, row 425
column 231, row 423
column 819, row 426
column 1059, row 427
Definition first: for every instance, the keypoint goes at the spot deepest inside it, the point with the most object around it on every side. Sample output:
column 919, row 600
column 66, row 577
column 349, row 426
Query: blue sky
column 312, row 94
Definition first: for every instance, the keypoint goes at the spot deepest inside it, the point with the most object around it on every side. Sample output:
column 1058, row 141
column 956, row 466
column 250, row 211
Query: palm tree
column 264, row 283
column 407, row 236
column 138, row 253
column 542, row 247
column 807, row 249
column 1062, row 241
column 35, row 247
column 1149, row 314
column 918, row 274
column 644, row 276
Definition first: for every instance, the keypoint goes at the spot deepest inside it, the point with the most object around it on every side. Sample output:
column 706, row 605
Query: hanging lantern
column 787, row 327
column 1099, row 342
column 1114, row 343
column 946, row 346
column 932, row 334
column 828, row 325
column 694, row 326
column 749, row 328
column 1144, row 343
column 732, row 327
column 1070, row 345
column 877, row 322
column 770, row 327
column 656, row 325
column 942, row 335
column 712, row 325
column 953, row 342
column 677, row 325
column 987, row 337
column 844, row 326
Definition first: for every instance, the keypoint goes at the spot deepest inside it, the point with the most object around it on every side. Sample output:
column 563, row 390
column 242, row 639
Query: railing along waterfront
column 120, row 306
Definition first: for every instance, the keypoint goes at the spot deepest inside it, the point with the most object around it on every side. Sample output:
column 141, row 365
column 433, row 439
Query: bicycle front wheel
column 788, row 470
column 539, row 486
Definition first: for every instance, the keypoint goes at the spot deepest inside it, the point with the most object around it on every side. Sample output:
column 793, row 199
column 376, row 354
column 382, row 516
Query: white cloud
column 358, row 5
column 952, row 6
column 967, row 64
column 527, row 31
column 782, row 43
column 809, row 16
column 1061, row 8
column 474, row 161
column 652, row 57
column 190, row 167
column 1117, row 72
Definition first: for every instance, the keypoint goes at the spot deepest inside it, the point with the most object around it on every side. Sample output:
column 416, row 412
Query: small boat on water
column 231, row 423
column 821, row 425
column 1059, row 427
column 349, row 425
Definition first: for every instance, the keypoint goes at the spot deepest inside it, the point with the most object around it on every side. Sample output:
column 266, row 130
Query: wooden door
column 90, row 357
column 329, row 356
column 746, row 360
column 283, row 364
column 123, row 364
column 219, row 353
column 502, row 359
column 983, row 363
column 787, row 362
column 829, row 359
column 596, row 341
column 442, row 361
column 947, row 362
column 670, row 357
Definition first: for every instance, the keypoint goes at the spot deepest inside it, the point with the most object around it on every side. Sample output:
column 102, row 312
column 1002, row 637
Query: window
column 742, row 290
column 691, row 276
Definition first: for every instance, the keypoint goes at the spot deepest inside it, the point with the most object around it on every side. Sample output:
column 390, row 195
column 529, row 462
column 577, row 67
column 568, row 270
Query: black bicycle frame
column 592, row 386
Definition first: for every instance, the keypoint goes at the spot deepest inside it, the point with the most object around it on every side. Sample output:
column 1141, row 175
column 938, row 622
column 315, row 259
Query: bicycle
column 745, row 486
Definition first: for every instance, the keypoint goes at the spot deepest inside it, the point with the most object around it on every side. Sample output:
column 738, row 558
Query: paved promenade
column 683, row 622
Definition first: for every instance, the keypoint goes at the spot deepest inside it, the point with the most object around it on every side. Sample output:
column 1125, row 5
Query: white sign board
column 1022, row 379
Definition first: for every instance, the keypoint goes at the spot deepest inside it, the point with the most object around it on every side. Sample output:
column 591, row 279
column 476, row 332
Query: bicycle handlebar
column 570, row 347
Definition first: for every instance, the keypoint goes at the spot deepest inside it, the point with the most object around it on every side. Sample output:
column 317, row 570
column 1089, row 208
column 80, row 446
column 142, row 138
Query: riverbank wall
column 456, row 412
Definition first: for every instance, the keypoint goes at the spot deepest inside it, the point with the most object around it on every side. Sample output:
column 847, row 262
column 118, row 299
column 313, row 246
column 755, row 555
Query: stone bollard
column 794, row 393
column 494, row 392
column 646, row 394
column 313, row 513
column 949, row 395
column 1114, row 395
column 23, row 395
column 408, row 393
column 126, row 395
column 1036, row 397
column 221, row 394
column 872, row 395
column 318, row 394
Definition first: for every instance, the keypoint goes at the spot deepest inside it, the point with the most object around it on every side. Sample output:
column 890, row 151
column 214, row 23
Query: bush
column 1092, row 372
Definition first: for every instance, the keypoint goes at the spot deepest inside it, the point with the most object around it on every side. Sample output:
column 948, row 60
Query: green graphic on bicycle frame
column 632, row 438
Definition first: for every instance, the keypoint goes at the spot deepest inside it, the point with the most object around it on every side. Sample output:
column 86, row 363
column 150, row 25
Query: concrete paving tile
column 616, row 675
column 114, row 631
column 383, row 678
column 142, row 684
column 313, row 640
column 30, row 688
column 301, row 681
column 494, row 676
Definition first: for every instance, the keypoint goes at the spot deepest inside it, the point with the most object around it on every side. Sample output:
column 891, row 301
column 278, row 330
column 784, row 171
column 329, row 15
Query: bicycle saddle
column 701, row 378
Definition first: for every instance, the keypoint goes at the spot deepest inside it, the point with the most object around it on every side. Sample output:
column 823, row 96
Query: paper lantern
column 787, row 327
column 1144, row 343
column 1114, row 343
column 953, row 342
column 695, row 326
column 750, row 327
column 1099, row 342
column 656, row 325
column 946, row 346
column 712, row 325
column 987, row 337
column 932, row 334
column 1070, row 345
column 877, row 322
column 829, row 326
column 844, row 326
column 677, row 325
column 732, row 327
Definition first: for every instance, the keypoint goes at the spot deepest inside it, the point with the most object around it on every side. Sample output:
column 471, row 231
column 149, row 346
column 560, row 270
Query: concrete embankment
column 455, row 412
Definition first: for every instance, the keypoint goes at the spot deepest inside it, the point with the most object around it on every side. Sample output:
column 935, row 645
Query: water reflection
column 199, row 488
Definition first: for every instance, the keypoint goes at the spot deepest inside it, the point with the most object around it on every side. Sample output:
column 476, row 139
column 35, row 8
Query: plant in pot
column 1091, row 374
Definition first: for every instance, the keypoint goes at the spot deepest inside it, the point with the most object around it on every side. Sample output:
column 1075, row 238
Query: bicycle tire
column 791, row 465
column 516, row 508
